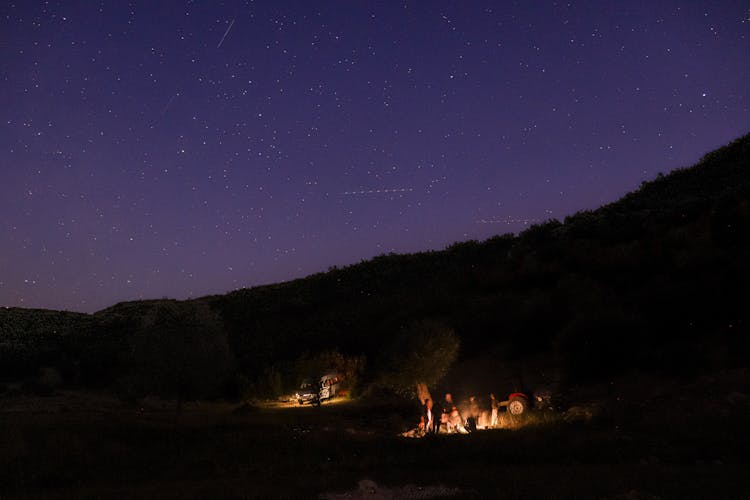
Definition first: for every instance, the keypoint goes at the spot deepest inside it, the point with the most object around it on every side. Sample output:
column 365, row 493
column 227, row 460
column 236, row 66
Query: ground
column 665, row 440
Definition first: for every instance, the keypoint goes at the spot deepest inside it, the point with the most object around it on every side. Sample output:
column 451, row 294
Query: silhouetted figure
column 473, row 418
column 444, row 424
column 421, row 428
column 455, row 422
column 428, row 412
column 445, row 417
column 495, row 407
column 448, row 402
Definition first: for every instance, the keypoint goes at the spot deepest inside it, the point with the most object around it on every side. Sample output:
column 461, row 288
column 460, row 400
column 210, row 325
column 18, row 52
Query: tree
column 180, row 352
column 420, row 357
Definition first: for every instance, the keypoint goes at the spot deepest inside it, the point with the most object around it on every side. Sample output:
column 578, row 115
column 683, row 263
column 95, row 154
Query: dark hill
column 656, row 281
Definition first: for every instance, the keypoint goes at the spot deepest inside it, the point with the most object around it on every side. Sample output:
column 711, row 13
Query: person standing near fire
column 495, row 407
column 429, row 417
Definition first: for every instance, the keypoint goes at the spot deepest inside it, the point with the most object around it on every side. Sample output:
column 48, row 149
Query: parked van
column 329, row 385
column 326, row 387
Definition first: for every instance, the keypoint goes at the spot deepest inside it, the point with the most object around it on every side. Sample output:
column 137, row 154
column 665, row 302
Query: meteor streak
column 225, row 34
column 506, row 220
column 379, row 191
column 164, row 111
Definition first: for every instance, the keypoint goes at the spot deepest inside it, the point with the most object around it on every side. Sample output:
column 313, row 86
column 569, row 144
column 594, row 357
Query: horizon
column 190, row 150
column 515, row 234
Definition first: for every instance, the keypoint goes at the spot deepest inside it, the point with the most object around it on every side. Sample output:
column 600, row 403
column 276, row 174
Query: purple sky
column 180, row 149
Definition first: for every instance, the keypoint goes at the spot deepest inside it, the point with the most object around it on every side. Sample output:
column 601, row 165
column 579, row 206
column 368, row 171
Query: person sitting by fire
column 451, row 417
column 442, row 426
column 445, row 414
column 455, row 422
column 473, row 419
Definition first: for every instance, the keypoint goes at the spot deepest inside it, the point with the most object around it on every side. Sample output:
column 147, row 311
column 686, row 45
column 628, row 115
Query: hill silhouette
column 656, row 281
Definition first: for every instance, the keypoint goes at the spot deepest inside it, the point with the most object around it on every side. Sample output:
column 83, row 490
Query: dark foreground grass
column 56, row 448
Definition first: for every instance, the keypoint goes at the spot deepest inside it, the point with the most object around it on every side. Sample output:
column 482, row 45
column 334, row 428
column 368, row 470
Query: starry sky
column 178, row 149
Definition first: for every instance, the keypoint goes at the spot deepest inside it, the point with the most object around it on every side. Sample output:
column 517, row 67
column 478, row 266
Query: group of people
column 449, row 419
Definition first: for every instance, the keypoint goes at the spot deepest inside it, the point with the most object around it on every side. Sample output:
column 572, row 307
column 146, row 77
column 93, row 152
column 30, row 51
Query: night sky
column 178, row 149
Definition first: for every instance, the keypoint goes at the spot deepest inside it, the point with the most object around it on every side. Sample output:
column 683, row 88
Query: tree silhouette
column 181, row 352
column 420, row 357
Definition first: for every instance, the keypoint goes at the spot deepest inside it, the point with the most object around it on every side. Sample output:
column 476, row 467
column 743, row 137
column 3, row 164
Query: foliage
column 654, row 281
column 181, row 352
column 32, row 338
column 422, row 354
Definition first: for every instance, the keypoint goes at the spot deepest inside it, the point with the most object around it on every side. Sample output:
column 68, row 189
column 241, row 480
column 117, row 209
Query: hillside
column 655, row 281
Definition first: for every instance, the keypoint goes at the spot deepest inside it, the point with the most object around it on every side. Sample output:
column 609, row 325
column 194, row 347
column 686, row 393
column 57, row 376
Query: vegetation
column 33, row 338
column 639, row 308
column 181, row 352
column 421, row 356
column 655, row 281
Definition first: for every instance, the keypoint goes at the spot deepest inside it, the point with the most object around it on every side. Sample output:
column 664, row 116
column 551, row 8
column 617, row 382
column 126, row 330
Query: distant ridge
column 655, row 281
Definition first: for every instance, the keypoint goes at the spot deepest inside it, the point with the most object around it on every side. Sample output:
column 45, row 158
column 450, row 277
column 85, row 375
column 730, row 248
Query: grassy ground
column 93, row 446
